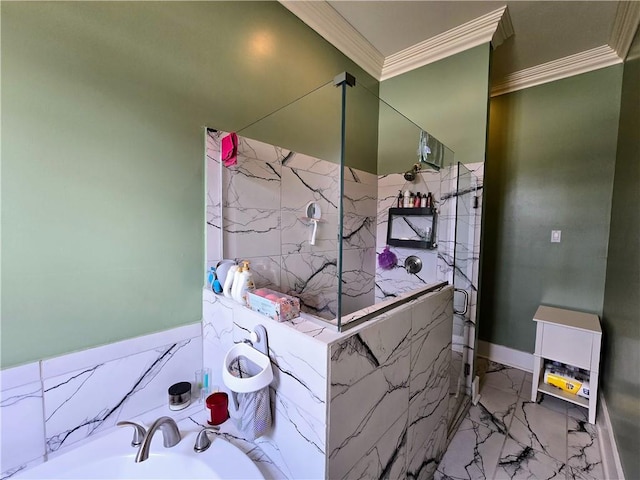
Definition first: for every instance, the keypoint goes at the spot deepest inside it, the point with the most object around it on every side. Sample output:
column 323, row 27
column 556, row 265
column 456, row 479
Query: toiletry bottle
column 406, row 200
column 217, row 287
column 400, row 200
column 235, row 288
column 412, row 198
column 211, row 277
column 228, row 283
column 416, row 201
column 423, row 200
column 246, row 283
column 429, row 200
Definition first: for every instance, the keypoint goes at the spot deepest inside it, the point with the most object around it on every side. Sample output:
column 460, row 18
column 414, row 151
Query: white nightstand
column 572, row 338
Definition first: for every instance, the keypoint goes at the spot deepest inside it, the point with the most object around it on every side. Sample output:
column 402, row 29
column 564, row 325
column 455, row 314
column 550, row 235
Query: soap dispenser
column 245, row 284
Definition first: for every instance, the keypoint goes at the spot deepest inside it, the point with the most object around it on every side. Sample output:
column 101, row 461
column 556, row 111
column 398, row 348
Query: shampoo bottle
column 228, row 282
column 246, row 284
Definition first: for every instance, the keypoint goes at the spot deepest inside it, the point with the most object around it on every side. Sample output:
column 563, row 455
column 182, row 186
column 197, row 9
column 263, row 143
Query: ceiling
column 542, row 39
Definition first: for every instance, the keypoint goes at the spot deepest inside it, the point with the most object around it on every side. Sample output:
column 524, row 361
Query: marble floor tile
column 540, row 428
column 494, row 410
column 519, row 461
column 546, row 439
column 577, row 412
column 552, row 403
column 499, row 376
column 472, row 454
column 583, row 451
column 525, row 391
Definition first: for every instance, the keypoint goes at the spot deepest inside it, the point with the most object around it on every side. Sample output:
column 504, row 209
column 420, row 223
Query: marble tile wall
column 389, row 392
column 390, row 283
column 22, row 424
column 438, row 264
column 256, row 211
column 51, row 405
column 296, row 443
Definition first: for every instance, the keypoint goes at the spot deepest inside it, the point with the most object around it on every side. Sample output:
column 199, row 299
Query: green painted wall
column 104, row 106
column 447, row 98
column 550, row 164
column 621, row 317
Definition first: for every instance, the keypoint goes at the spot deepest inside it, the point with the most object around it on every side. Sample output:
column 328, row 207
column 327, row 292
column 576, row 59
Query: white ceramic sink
column 112, row 457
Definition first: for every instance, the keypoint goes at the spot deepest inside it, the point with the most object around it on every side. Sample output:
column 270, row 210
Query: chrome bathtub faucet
column 202, row 440
column 170, row 436
column 138, row 432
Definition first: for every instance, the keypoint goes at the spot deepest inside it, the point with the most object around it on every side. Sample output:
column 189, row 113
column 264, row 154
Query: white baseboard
column 506, row 356
column 608, row 448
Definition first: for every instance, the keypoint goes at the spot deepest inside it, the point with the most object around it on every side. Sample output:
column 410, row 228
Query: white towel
column 253, row 412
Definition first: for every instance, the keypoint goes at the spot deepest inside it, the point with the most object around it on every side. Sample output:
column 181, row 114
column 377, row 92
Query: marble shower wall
column 391, row 283
column 296, row 442
column 438, row 263
column 256, row 211
column 389, row 393
column 50, row 406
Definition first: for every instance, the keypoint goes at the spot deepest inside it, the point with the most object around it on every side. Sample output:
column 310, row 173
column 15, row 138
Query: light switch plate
column 556, row 235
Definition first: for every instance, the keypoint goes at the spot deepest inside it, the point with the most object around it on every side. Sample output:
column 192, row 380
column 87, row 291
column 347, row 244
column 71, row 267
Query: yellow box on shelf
column 568, row 384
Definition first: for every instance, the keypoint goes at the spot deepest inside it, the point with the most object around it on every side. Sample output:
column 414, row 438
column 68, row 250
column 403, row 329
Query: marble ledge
column 325, row 331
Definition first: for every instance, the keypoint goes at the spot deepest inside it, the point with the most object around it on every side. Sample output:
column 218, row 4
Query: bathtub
column 111, row 456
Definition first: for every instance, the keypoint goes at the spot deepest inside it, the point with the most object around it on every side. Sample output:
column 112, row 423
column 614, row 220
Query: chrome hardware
column 138, row 432
column 413, row 264
column 202, row 440
column 170, row 436
column 466, row 301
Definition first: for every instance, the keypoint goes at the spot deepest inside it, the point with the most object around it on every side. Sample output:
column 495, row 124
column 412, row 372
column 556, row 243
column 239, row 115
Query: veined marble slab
column 22, row 427
column 82, row 399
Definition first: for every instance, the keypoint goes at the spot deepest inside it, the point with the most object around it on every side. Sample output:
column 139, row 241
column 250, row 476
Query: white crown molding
column 332, row 26
column 624, row 27
column 587, row 61
column 463, row 37
column 504, row 30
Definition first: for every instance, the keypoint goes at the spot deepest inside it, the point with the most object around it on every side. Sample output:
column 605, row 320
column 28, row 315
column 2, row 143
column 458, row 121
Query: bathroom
column 111, row 193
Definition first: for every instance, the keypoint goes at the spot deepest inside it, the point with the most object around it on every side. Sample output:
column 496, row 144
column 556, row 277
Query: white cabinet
column 572, row 338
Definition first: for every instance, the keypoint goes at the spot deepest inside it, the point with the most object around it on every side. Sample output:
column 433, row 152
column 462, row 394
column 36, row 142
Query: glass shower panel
column 462, row 344
column 383, row 149
column 280, row 200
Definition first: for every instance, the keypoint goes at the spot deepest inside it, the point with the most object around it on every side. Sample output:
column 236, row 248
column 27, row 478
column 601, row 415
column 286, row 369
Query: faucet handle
column 138, row 432
column 202, row 440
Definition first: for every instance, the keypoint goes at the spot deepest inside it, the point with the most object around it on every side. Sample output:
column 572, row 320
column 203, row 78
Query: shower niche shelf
column 412, row 228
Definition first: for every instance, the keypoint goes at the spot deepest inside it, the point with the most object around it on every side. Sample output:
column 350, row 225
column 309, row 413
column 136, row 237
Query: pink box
column 275, row 305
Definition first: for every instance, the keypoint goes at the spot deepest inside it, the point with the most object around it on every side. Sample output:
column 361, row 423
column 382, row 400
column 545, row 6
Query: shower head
column 410, row 175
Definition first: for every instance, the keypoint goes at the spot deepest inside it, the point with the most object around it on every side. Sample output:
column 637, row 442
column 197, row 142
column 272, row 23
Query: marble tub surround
column 507, row 436
column 298, row 352
column 256, row 210
column 21, row 422
column 74, row 396
column 339, row 399
column 231, row 434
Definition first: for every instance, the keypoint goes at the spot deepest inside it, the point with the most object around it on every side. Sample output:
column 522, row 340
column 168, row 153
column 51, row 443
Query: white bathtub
column 111, row 456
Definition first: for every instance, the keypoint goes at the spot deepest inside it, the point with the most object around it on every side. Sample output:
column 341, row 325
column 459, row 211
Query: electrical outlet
column 556, row 235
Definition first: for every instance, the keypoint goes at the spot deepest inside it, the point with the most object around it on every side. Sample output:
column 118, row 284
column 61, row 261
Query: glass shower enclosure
column 309, row 203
